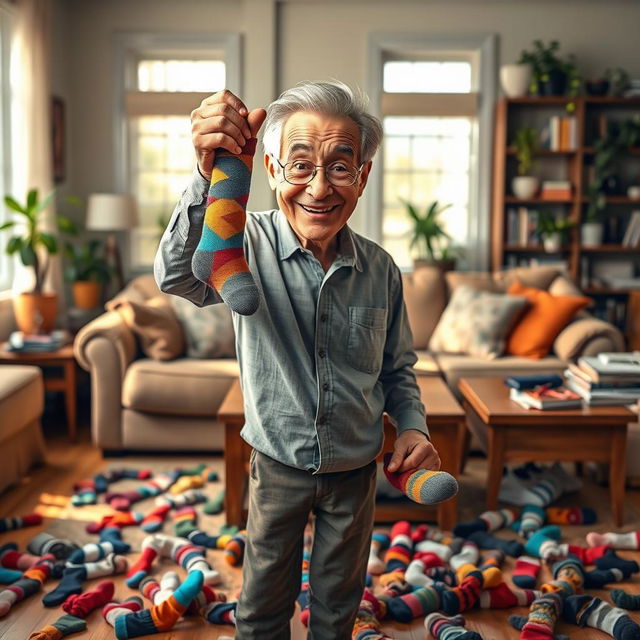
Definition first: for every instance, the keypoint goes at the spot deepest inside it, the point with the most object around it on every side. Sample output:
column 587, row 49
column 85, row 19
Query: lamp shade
column 111, row 212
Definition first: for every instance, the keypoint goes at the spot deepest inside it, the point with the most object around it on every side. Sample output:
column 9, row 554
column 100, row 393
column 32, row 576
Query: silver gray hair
column 329, row 98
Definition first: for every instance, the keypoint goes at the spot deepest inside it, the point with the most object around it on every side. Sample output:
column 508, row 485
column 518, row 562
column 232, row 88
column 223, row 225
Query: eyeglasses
column 339, row 173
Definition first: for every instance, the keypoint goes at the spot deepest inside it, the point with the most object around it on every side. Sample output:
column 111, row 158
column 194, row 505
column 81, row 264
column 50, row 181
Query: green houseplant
column 524, row 185
column 552, row 74
column 553, row 231
column 429, row 236
column 35, row 310
column 87, row 269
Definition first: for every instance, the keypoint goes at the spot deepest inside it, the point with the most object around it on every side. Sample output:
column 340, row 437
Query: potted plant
column 524, row 185
column 553, row 231
column 87, row 270
column 618, row 81
column 35, row 310
column 516, row 79
column 552, row 75
column 430, row 237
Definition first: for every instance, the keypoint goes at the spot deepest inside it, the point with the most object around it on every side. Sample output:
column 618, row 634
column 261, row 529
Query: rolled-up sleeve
column 402, row 395
column 172, row 265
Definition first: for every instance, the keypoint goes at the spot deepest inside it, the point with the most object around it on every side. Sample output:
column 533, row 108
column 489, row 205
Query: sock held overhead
column 219, row 259
column 422, row 486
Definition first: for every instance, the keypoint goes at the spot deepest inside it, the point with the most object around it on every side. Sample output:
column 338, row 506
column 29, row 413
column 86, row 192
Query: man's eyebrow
column 344, row 148
column 300, row 146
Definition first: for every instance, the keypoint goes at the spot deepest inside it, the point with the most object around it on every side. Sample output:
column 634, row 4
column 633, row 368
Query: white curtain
column 31, row 124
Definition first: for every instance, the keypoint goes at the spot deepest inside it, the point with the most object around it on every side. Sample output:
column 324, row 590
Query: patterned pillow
column 208, row 331
column 476, row 322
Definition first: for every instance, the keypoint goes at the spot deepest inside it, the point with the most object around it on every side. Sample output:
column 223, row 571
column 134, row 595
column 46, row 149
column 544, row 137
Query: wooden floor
column 47, row 490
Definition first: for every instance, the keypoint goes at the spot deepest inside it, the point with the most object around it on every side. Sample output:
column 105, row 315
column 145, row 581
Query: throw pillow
column 545, row 318
column 208, row 330
column 476, row 322
column 155, row 324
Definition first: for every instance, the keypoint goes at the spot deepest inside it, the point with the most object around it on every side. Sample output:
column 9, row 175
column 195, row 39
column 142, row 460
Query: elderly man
column 323, row 344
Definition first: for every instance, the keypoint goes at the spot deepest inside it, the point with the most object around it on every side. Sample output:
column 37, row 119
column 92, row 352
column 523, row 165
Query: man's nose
column 319, row 187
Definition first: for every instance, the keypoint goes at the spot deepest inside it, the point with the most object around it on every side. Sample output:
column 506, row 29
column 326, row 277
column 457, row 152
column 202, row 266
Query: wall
column 292, row 40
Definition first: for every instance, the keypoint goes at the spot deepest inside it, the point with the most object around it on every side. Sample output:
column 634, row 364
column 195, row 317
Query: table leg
column 495, row 464
column 617, row 473
column 70, row 398
column 234, row 473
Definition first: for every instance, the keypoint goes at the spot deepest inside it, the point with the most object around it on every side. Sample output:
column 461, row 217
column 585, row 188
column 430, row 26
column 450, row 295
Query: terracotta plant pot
column 35, row 312
column 444, row 265
column 86, row 294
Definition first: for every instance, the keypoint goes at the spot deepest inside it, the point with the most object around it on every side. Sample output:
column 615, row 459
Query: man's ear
column 270, row 166
column 363, row 177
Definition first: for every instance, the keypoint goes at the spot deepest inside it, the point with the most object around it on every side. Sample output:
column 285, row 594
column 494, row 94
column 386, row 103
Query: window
column 435, row 94
column 6, row 267
column 164, row 82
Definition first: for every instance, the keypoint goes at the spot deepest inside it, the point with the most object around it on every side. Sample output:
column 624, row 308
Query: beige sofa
column 140, row 403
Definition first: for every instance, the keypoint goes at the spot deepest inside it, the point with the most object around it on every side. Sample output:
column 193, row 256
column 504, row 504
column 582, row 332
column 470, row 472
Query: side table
column 62, row 360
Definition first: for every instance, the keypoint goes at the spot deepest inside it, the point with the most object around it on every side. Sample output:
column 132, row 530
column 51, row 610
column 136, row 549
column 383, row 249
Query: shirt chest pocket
column 367, row 334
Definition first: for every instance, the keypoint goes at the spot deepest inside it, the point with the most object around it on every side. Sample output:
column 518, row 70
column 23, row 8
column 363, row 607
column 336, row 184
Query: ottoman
column 21, row 405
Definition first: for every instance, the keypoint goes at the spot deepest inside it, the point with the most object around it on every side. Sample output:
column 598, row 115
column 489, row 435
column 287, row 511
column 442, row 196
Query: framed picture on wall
column 58, row 138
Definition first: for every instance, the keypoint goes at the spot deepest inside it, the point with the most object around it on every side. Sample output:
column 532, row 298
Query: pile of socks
column 536, row 485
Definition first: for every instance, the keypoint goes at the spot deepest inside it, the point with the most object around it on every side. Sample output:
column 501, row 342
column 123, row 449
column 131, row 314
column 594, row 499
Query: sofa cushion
column 476, row 322
column 154, row 323
column 179, row 387
column 208, row 330
column 424, row 297
column 538, row 277
column 480, row 280
column 574, row 338
column 545, row 318
column 21, row 398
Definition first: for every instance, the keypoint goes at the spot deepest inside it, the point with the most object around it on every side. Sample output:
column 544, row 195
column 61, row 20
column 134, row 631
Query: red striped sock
column 526, row 572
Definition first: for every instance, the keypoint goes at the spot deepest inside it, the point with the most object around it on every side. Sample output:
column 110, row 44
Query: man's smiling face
column 318, row 210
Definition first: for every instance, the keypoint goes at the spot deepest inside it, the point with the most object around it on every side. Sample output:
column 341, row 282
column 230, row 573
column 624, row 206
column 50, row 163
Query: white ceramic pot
column 591, row 234
column 525, row 187
column 515, row 79
column 552, row 243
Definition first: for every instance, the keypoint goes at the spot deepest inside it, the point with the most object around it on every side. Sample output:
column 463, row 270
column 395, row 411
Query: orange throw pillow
column 542, row 321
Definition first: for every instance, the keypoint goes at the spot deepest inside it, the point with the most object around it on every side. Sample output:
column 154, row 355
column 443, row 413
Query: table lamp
column 112, row 212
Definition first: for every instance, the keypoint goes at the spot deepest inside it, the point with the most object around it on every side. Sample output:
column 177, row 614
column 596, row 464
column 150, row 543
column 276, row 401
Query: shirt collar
column 289, row 243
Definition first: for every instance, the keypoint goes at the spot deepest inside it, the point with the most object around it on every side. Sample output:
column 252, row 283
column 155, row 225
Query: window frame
column 129, row 47
column 385, row 46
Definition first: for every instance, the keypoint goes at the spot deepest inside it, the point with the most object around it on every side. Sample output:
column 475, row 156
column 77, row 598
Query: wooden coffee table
column 521, row 435
column 447, row 428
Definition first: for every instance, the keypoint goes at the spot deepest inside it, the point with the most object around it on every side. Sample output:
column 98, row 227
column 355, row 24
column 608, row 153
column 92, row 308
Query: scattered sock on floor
column 464, row 596
column 568, row 578
column 234, row 549
column 503, row 596
column 487, row 521
column 155, row 518
column 11, row 558
column 74, row 575
column 219, row 259
column 398, row 555
column 469, row 554
column 416, row 604
column 422, row 486
column 367, row 622
column 625, row 600
column 485, row 540
column 526, row 572
column 62, row 627
column 114, row 610
column 158, row 592
column 531, row 519
column 543, row 544
column 610, row 560
column 184, row 499
column 186, row 483
column 19, row 522
column 81, row 605
column 598, row 578
column 445, row 628
column 8, row 576
column 184, row 520
column 44, row 543
column 192, row 558
column 118, row 519
column 380, row 541
column 221, row 613
column 113, row 535
column 31, row 582
column 629, row 540
column 572, row 515
column 541, row 621
column 215, row 505
column 443, row 551
column 586, row 610
column 142, row 567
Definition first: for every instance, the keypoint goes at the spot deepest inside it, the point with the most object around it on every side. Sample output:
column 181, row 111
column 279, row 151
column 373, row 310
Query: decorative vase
column 86, row 294
column 515, row 79
column 35, row 313
column 525, row 187
column 591, row 234
column 552, row 242
column 444, row 265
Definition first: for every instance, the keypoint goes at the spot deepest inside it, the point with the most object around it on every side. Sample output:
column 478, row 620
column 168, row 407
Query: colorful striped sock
column 629, row 540
column 504, row 597
column 570, row 515
column 202, row 539
column 114, row 610
column 379, row 542
column 367, row 623
column 113, row 535
column 159, row 483
column 413, row 605
column 469, row 554
column 192, row 558
column 184, row 520
column 221, row 613
column 19, row 522
column 586, row 555
column 8, row 576
column 485, row 540
column 531, row 519
column 219, row 259
column 154, row 520
column 182, row 500
column 543, row 544
column 586, row 610
column 303, row 597
column 142, row 568
column 541, row 621
column 464, row 596
column 398, row 555
column 186, row 483
column 118, row 519
column 62, row 627
column 568, row 578
column 158, row 592
column 30, row 583
column 234, row 549
column 625, row 600
column 449, row 628
column 81, row 605
column 598, row 578
column 44, row 543
column 204, row 471
column 611, row 560
column 526, row 572
column 11, row 558
column 215, row 505
column 443, row 551
column 422, row 486
column 487, row 521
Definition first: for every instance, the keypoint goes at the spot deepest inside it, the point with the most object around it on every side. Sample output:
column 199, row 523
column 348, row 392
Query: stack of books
column 556, row 190
column 606, row 379
column 546, row 398
column 632, row 233
column 32, row 343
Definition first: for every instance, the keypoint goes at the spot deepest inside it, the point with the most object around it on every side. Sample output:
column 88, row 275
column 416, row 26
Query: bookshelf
column 514, row 241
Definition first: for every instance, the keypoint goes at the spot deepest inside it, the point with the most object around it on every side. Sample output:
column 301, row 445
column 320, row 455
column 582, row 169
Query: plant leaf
column 14, row 244
column 7, row 225
column 49, row 242
column 27, row 255
column 12, row 204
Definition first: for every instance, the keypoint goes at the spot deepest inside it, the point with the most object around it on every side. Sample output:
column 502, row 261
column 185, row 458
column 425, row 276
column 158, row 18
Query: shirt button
column 325, row 386
column 324, row 317
column 322, row 353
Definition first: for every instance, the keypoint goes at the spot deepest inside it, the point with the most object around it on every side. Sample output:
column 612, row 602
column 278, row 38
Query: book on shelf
column 556, row 190
column 631, row 236
column 546, row 398
column 521, row 228
column 563, row 133
column 35, row 343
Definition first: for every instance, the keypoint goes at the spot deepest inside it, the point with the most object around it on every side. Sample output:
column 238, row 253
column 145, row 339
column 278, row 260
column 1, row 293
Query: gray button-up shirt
column 324, row 355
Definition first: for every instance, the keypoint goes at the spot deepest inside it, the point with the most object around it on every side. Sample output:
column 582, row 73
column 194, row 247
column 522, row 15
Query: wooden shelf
column 514, row 200
column 534, row 248
column 634, row 151
column 602, row 291
column 512, row 151
column 609, row 248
